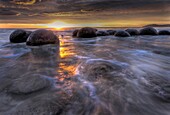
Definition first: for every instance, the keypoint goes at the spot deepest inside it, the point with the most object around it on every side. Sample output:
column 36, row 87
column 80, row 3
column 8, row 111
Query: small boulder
column 29, row 83
column 42, row 37
column 122, row 33
column 164, row 32
column 148, row 31
column 75, row 33
column 86, row 32
column 132, row 31
column 111, row 32
column 19, row 36
column 102, row 33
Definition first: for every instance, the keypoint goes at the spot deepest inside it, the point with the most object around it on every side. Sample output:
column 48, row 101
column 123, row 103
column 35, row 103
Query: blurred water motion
column 106, row 75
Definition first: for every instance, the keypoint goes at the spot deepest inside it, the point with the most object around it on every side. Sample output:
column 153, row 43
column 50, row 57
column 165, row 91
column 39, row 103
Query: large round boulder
column 122, row 33
column 148, row 31
column 164, row 32
column 102, row 33
column 19, row 36
column 86, row 32
column 132, row 31
column 75, row 33
column 95, row 69
column 29, row 83
column 111, row 32
column 42, row 37
column 28, row 33
column 49, row 103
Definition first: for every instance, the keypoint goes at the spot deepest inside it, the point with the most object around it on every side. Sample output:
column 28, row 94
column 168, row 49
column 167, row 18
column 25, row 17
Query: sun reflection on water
column 67, row 67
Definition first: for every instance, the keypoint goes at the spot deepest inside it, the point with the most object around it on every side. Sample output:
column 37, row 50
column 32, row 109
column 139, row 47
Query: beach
column 103, row 75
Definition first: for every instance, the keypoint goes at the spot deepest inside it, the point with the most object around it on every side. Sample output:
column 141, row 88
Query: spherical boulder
column 29, row 83
column 86, row 32
column 75, row 33
column 28, row 33
column 94, row 69
column 132, row 31
column 148, row 31
column 111, row 32
column 42, row 37
column 19, row 36
column 49, row 103
column 102, row 33
column 164, row 32
column 122, row 33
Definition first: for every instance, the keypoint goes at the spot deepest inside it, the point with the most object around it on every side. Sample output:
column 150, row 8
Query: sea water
column 137, row 80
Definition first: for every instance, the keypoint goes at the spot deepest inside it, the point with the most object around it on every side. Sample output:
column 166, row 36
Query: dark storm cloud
column 8, row 12
column 44, row 10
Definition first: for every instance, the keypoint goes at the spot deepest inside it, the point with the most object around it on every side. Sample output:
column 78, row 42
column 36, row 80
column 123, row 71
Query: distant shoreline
column 157, row 25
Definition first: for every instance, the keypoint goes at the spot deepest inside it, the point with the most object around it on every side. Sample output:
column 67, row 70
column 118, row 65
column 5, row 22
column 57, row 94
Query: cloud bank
column 80, row 11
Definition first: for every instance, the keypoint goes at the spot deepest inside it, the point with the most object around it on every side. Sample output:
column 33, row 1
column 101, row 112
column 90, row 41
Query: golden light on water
column 65, row 51
column 66, row 68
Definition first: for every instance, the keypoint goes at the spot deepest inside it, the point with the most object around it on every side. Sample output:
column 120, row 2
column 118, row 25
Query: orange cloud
column 28, row 2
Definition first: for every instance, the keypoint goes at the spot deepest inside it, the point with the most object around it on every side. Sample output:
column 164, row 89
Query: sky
column 80, row 13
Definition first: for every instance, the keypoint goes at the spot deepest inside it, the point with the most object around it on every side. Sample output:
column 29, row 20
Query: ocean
column 104, row 75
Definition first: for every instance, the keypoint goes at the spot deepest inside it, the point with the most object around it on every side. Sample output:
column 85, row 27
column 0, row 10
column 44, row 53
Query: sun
column 57, row 25
column 60, row 25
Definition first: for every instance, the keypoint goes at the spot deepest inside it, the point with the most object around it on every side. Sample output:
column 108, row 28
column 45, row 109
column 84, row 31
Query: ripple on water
column 102, row 75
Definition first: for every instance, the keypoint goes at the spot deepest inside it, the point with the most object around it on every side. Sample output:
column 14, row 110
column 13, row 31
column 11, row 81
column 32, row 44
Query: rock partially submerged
column 42, row 37
column 132, row 31
column 28, row 33
column 111, row 32
column 50, row 103
column 164, row 32
column 19, row 36
column 95, row 69
column 29, row 83
column 122, row 33
column 148, row 31
column 102, row 33
column 75, row 33
column 86, row 32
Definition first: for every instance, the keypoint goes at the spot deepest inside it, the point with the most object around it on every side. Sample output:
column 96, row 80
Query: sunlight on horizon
column 59, row 25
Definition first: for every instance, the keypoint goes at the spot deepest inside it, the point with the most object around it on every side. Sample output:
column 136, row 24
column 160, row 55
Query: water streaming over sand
column 103, row 75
